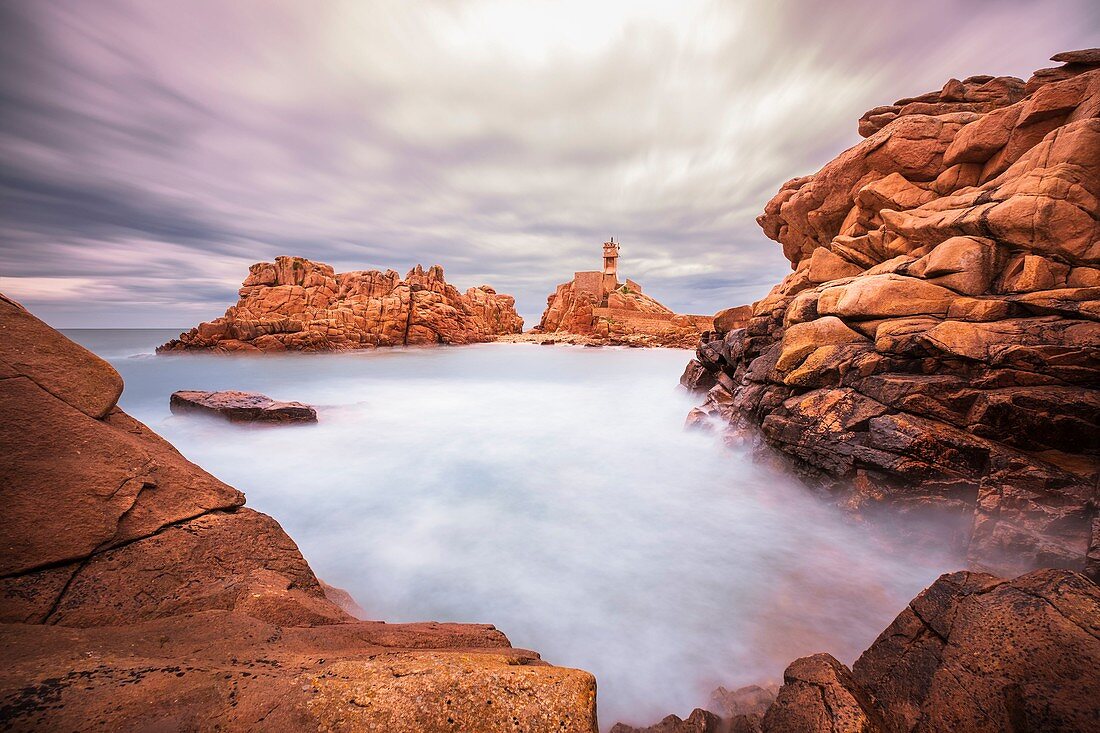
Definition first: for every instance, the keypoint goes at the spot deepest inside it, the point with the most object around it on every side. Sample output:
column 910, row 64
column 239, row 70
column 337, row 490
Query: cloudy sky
column 151, row 151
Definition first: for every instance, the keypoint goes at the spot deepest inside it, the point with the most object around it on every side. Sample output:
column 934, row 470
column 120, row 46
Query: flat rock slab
column 242, row 406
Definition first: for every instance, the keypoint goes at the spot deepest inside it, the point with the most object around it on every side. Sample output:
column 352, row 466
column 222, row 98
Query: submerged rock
column 298, row 305
column 936, row 348
column 242, row 406
column 138, row 593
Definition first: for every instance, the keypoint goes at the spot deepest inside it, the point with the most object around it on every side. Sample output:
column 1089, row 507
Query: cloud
column 150, row 152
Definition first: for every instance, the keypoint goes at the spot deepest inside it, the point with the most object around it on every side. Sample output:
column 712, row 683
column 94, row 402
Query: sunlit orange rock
column 596, row 305
column 936, row 346
column 296, row 304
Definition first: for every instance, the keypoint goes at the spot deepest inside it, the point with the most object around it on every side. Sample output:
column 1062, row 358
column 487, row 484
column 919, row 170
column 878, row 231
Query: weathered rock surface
column 241, row 406
column 295, row 304
column 819, row 694
column 937, row 347
column 137, row 593
column 976, row 653
column 970, row 653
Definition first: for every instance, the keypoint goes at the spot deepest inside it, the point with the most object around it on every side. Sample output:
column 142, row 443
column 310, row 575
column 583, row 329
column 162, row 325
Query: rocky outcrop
column 295, row 304
column 241, row 406
column 937, row 347
column 625, row 315
column 970, row 653
column 973, row 652
column 130, row 577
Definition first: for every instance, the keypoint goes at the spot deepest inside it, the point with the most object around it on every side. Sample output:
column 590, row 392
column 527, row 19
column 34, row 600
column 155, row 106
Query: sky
column 151, row 151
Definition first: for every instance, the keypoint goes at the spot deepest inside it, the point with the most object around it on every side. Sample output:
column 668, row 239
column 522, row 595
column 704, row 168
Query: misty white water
column 551, row 491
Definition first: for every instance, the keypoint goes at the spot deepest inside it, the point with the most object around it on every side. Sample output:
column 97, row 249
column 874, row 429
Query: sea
column 551, row 491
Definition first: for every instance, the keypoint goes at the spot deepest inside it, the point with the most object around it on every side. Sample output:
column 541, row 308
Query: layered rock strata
column 970, row 653
column 295, row 304
column 241, row 406
column 138, row 593
column 625, row 315
column 937, row 345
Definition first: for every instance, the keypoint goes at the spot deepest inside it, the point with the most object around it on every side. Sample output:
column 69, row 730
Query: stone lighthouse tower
column 610, row 265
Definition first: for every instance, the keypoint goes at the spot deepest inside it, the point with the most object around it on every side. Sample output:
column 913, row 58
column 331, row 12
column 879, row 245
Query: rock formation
column 970, row 653
column 597, row 306
column 937, row 344
column 296, row 304
column 242, row 406
column 138, row 593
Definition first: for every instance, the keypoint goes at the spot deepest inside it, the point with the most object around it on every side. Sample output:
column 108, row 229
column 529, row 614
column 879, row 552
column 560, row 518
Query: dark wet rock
column 242, row 406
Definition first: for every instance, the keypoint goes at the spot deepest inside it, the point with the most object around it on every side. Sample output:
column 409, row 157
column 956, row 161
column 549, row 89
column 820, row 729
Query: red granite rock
column 137, row 593
column 299, row 305
column 937, row 343
column 622, row 314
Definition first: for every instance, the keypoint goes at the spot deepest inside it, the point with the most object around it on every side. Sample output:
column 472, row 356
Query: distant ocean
column 551, row 491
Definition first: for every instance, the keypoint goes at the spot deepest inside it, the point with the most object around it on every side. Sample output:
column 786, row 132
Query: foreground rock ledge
column 242, row 406
column 937, row 347
column 138, row 593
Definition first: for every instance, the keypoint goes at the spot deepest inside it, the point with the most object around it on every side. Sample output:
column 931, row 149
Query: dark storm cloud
column 149, row 152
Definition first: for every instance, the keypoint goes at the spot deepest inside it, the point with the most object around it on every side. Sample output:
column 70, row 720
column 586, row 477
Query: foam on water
column 550, row 491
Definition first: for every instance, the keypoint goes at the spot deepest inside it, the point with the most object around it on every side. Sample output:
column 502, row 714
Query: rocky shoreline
column 935, row 350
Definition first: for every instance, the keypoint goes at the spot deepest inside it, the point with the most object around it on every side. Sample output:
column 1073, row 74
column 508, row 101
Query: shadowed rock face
column 295, row 304
column 138, row 593
column 970, row 653
column 937, row 347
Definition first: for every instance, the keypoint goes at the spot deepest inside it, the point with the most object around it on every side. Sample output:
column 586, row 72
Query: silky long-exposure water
column 551, row 491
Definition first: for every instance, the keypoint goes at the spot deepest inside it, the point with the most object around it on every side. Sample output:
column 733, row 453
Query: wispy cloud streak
column 152, row 151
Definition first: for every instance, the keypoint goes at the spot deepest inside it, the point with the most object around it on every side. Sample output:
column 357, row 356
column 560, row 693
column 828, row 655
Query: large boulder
column 976, row 653
column 937, row 346
column 137, row 593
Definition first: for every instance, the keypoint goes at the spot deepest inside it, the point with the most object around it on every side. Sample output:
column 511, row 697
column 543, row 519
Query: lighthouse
column 610, row 265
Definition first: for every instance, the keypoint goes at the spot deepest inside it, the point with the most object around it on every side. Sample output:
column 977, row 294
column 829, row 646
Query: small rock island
column 595, row 306
column 295, row 304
